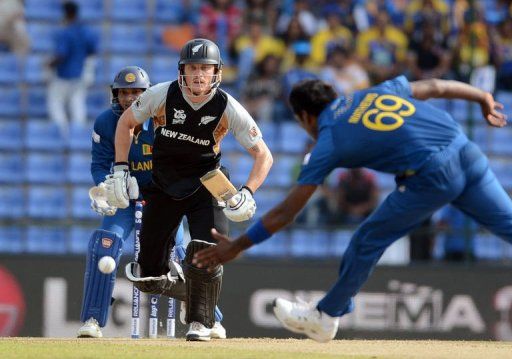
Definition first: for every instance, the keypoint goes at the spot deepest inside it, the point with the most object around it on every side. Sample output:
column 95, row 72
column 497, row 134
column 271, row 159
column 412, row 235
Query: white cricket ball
column 106, row 264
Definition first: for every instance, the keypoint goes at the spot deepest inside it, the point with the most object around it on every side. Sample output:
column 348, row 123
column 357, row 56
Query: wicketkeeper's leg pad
column 98, row 287
column 171, row 284
column 203, row 287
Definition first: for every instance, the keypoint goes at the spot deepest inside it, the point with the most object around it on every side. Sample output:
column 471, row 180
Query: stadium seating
column 91, row 10
column 43, row 10
column 284, row 174
column 10, row 102
column 116, row 63
column 129, row 10
column 309, row 243
column 43, row 135
column 292, row 138
column 10, row 135
column 9, row 69
column 11, row 239
column 41, row 36
column 80, row 137
column 339, row 242
column 46, row 240
column 36, row 72
column 128, row 39
column 12, row 204
column 36, row 102
column 11, row 167
column 45, row 168
column 79, row 239
column 78, row 168
column 97, row 101
column 32, row 151
column 277, row 246
column 163, row 68
column 47, row 202
column 81, row 204
column 169, row 11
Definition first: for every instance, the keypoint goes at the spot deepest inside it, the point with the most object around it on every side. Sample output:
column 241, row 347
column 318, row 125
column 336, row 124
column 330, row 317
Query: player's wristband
column 257, row 233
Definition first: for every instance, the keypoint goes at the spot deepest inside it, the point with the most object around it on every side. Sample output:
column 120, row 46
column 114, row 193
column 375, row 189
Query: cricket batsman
column 388, row 128
column 192, row 115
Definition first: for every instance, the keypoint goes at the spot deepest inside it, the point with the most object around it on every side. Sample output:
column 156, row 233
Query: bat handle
column 232, row 201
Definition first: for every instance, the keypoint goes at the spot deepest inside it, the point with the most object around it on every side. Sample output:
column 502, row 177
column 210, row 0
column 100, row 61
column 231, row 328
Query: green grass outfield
column 248, row 348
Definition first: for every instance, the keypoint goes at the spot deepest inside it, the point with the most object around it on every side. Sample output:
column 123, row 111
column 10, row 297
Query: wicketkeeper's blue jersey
column 382, row 128
column 103, row 149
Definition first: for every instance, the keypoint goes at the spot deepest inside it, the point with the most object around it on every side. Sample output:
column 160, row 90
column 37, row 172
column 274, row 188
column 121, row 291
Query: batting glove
column 99, row 204
column 241, row 206
column 121, row 187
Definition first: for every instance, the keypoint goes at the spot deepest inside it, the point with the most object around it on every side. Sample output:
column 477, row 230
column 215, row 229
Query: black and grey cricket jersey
column 188, row 135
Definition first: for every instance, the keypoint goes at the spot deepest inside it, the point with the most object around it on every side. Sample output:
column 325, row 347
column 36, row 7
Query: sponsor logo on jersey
column 138, row 103
column 253, row 132
column 106, row 242
column 95, row 137
column 196, row 48
column 147, row 150
column 206, row 120
column 179, row 117
column 184, row 137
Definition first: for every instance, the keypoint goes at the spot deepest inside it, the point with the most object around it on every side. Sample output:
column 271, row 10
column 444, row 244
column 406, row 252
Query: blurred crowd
column 269, row 45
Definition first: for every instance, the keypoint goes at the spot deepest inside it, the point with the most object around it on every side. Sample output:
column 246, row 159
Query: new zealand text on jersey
column 184, row 137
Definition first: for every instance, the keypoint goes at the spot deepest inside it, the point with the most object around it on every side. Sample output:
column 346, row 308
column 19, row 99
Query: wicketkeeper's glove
column 120, row 186
column 99, row 204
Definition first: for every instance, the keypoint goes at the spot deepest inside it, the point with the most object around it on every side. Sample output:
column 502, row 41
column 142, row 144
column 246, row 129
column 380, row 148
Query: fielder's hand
column 241, row 207
column 121, row 187
column 98, row 196
column 225, row 251
column 490, row 111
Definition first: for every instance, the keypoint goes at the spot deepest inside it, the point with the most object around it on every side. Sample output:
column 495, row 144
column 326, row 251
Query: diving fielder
column 387, row 128
column 117, row 224
column 192, row 116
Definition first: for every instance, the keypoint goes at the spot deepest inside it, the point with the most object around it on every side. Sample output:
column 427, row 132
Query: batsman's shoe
column 90, row 329
column 304, row 318
column 198, row 332
column 218, row 331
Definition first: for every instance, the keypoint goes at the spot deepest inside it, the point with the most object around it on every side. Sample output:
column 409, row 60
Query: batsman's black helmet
column 130, row 77
column 200, row 51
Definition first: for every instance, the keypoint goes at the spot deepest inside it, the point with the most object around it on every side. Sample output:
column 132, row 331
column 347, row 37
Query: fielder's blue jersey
column 103, row 149
column 383, row 128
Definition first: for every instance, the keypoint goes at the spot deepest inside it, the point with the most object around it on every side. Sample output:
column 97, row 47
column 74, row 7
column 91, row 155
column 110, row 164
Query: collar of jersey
column 197, row 106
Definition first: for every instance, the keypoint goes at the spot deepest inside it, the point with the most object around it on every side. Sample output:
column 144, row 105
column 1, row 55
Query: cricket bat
column 219, row 186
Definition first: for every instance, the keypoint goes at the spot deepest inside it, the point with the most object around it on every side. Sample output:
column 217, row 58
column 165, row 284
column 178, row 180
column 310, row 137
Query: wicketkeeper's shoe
column 198, row 332
column 305, row 318
column 90, row 329
column 218, row 331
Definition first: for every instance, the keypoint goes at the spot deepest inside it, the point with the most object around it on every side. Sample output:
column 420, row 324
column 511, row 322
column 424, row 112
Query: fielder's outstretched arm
column 274, row 220
column 262, row 162
column 435, row 88
column 124, row 133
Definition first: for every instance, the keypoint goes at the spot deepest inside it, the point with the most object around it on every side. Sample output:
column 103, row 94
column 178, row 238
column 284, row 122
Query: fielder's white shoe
column 218, row 331
column 198, row 332
column 304, row 318
column 90, row 329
